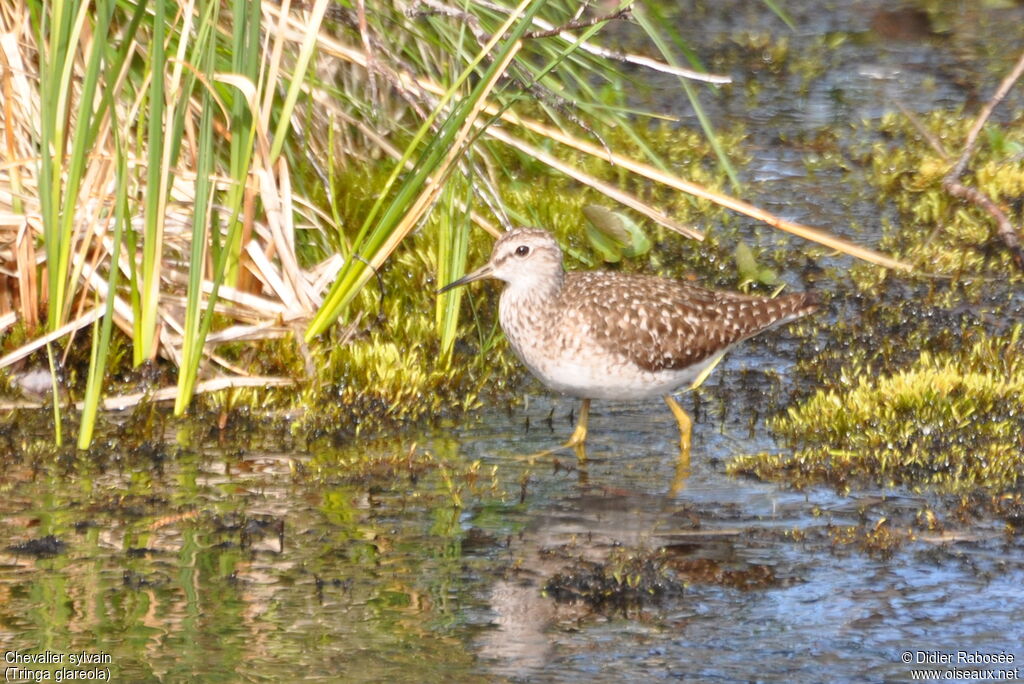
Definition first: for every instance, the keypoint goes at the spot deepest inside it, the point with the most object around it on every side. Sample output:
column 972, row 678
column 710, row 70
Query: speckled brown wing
column 669, row 325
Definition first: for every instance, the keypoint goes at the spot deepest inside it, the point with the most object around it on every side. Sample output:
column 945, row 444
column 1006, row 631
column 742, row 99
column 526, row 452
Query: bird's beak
column 482, row 272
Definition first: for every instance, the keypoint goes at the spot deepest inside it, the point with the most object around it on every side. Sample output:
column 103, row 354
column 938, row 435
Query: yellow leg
column 685, row 423
column 579, row 435
column 685, row 429
column 578, row 439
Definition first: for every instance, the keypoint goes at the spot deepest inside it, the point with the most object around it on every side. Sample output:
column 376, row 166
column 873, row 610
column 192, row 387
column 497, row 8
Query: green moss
column 951, row 422
column 936, row 232
column 386, row 368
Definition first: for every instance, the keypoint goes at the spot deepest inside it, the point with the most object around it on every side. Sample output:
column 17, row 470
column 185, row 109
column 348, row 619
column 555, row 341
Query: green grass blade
column 82, row 143
column 245, row 61
column 306, row 50
column 58, row 438
column 452, row 248
column 380, row 232
column 57, row 32
column 428, row 157
column 102, row 329
column 192, row 339
column 157, row 173
column 645, row 21
column 780, row 13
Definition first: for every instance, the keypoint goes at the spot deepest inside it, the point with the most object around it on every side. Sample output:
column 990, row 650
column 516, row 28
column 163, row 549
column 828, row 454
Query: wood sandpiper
column 602, row 335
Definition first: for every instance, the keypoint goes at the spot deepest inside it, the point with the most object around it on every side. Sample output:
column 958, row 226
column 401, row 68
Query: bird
column 614, row 335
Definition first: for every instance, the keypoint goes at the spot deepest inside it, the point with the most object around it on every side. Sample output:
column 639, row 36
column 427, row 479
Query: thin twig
column 691, row 188
column 117, row 403
column 24, row 350
column 972, row 136
column 577, row 24
column 607, row 189
column 929, row 137
column 1004, row 229
column 339, row 49
column 951, row 182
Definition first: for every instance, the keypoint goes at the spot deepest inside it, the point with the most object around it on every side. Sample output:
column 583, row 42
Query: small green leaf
column 996, row 138
column 999, row 143
column 767, row 276
column 607, row 247
column 748, row 268
column 639, row 243
column 614, row 234
column 746, row 264
column 608, row 222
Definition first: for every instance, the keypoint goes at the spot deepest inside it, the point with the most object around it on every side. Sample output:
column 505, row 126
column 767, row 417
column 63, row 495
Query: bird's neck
column 534, row 289
column 524, row 311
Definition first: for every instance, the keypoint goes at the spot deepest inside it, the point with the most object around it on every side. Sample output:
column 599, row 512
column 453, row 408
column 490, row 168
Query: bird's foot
column 577, row 442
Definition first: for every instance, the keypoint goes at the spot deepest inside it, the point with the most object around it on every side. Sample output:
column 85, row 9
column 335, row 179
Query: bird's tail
column 769, row 313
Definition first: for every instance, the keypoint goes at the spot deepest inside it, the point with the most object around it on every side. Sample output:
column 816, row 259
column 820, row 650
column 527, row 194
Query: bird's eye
column 522, row 250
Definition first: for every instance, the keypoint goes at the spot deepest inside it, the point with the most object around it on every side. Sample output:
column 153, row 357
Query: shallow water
column 825, row 615
column 252, row 557
column 225, row 565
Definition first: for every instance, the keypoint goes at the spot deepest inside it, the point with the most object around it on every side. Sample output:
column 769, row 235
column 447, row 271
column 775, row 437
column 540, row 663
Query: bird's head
column 522, row 257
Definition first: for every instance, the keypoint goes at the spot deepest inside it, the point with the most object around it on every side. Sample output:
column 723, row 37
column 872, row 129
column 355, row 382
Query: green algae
column 918, row 383
column 936, row 232
column 387, row 368
column 951, row 422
